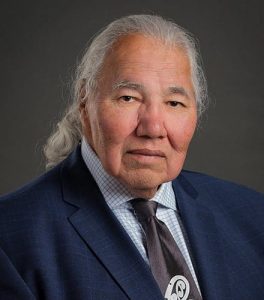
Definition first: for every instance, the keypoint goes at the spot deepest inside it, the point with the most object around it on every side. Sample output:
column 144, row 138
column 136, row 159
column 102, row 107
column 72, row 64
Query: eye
column 174, row 103
column 127, row 98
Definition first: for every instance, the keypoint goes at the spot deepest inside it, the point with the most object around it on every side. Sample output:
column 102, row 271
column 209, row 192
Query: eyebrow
column 178, row 91
column 128, row 85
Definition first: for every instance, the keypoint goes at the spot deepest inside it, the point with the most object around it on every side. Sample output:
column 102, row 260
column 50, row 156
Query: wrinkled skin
column 144, row 114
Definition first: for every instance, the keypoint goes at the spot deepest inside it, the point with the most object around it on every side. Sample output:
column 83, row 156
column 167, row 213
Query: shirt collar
column 115, row 193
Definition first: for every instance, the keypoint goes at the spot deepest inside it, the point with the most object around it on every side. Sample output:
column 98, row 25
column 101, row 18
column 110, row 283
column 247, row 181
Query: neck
column 144, row 193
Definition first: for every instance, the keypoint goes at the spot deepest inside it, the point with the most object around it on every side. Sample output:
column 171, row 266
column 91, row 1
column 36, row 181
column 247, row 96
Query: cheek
column 113, row 129
column 181, row 133
column 180, row 136
column 112, row 136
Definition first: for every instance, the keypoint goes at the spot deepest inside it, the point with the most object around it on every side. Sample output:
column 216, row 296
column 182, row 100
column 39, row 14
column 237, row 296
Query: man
column 78, row 231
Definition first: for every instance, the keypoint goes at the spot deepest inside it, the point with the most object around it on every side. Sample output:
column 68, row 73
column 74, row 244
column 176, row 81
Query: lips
column 147, row 152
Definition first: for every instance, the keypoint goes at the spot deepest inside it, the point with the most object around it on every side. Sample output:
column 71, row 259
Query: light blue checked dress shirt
column 117, row 197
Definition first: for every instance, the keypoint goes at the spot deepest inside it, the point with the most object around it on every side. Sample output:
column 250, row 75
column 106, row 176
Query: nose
column 151, row 122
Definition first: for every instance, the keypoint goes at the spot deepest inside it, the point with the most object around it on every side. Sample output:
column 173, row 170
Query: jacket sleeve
column 12, row 285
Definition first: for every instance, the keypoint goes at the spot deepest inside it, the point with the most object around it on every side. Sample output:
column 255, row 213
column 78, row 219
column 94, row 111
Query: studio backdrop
column 41, row 42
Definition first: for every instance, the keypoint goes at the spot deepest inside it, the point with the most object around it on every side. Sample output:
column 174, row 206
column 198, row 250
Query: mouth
column 147, row 152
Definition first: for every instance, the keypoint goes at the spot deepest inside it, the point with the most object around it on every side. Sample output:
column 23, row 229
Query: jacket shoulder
column 218, row 193
column 35, row 195
column 201, row 180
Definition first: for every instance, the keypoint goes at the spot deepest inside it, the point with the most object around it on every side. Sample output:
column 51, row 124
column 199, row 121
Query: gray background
column 40, row 43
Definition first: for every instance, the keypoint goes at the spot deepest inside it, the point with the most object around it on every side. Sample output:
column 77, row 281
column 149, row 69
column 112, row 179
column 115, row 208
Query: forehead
column 138, row 48
column 139, row 58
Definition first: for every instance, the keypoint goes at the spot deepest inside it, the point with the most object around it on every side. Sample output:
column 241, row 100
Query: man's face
column 142, row 119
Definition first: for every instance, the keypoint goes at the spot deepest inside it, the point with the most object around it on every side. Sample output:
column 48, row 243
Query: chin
column 143, row 182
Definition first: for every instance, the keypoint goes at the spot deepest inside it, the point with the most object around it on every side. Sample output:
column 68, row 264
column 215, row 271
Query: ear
column 85, row 120
column 83, row 113
column 82, row 102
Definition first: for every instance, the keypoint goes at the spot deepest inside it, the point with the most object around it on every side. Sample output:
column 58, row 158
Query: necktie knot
column 144, row 208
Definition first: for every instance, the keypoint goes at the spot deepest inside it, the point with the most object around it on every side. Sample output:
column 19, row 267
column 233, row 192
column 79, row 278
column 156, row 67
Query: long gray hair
column 68, row 131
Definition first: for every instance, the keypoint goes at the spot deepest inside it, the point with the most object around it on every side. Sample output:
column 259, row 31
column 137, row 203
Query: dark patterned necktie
column 166, row 260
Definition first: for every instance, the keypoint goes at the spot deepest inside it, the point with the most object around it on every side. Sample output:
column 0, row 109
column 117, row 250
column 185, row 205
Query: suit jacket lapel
column 102, row 232
column 206, row 242
column 99, row 228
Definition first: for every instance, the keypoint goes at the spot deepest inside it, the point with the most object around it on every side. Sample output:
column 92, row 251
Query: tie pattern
column 166, row 260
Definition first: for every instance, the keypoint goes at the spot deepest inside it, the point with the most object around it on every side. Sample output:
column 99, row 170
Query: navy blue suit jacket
column 59, row 240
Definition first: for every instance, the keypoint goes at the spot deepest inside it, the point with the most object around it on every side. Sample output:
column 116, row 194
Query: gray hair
column 68, row 131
